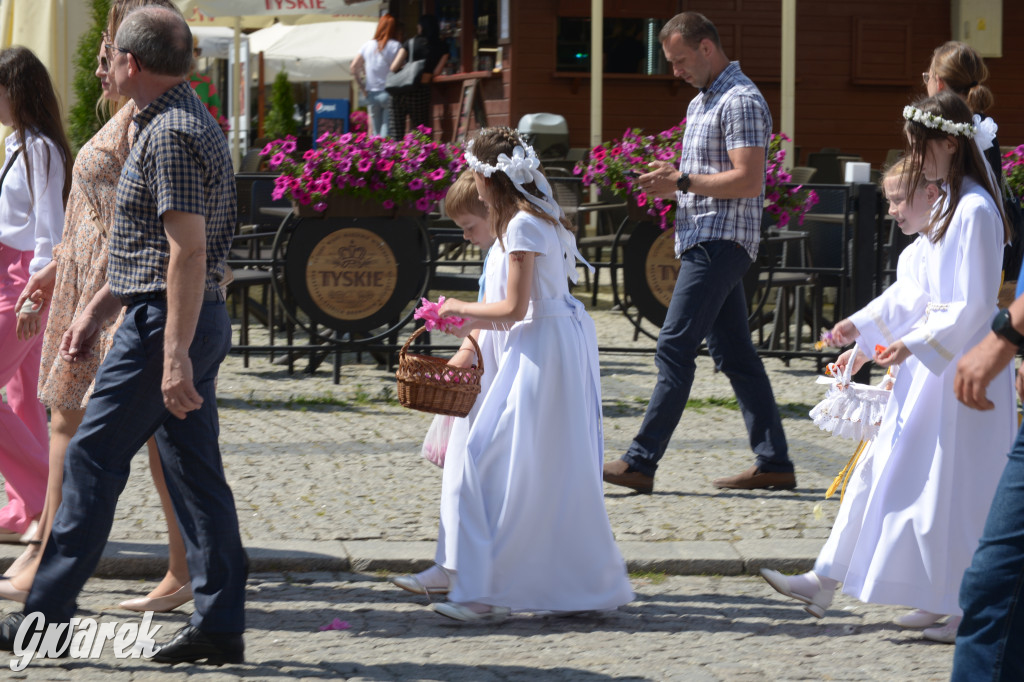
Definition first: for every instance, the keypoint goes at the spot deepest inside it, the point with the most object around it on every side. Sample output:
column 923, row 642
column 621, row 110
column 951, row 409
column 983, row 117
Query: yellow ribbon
column 844, row 475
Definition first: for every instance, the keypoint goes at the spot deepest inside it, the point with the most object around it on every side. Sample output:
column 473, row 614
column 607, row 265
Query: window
column 484, row 34
column 630, row 45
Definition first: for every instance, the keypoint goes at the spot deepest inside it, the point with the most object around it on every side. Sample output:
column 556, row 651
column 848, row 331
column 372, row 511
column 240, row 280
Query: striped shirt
column 179, row 162
column 729, row 114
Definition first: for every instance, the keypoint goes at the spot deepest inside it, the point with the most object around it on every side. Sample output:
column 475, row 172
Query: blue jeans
column 708, row 302
column 378, row 105
column 990, row 641
column 125, row 409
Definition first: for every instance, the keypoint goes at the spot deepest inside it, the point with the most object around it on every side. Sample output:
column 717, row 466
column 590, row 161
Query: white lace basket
column 851, row 410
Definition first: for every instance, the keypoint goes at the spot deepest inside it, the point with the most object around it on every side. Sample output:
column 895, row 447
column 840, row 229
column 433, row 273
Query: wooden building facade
column 857, row 64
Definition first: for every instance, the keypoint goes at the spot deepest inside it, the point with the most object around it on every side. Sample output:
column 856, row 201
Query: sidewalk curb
column 743, row 557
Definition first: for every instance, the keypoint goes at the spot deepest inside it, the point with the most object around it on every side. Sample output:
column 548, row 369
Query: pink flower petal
column 336, row 624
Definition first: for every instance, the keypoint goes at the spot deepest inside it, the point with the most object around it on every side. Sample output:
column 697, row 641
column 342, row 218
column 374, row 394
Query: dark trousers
column 990, row 641
column 123, row 412
column 708, row 302
column 415, row 104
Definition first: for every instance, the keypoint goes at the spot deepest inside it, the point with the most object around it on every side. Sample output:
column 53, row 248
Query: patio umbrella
column 216, row 42
column 263, row 13
column 312, row 52
column 51, row 29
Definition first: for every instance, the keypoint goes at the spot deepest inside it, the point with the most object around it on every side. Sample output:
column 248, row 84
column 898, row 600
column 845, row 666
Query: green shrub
column 83, row 119
column 281, row 121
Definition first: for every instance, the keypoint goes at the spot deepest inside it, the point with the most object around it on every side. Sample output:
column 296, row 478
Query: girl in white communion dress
column 533, row 533
column 917, row 502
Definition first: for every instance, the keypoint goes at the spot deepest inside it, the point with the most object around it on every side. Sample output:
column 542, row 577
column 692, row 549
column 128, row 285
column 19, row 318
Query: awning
column 311, row 52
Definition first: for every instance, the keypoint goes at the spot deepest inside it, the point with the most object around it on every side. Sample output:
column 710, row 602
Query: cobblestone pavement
column 310, row 460
column 312, row 463
column 697, row 629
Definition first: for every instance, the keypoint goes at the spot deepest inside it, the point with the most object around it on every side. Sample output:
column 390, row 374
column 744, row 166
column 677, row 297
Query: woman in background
column 371, row 67
column 415, row 104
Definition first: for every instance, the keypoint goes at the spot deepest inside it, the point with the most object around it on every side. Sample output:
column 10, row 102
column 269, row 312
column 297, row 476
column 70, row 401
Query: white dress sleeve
column 47, row 212
column 967, row 276
column 897, row 309
column 527, row 233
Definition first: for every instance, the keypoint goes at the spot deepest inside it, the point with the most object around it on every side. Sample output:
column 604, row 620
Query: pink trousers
column 24, row 437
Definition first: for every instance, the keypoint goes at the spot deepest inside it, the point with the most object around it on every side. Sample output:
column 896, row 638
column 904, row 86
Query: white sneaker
column 816, row 603
column 945, row 633
column 917, row 619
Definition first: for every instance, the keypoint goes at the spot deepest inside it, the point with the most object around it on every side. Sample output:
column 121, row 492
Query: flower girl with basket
column 533, row 533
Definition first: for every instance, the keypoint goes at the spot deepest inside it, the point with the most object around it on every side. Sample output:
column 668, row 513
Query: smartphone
column 634, row 173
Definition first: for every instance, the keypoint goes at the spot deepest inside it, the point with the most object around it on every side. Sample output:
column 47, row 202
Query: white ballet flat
column 463, row 613
column 168, row 602
column 816, row 603
column 412, row 583
column 944, row 633
column 917, row 619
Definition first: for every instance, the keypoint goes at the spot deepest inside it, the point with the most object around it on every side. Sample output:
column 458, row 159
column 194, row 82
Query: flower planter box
column 339, row 206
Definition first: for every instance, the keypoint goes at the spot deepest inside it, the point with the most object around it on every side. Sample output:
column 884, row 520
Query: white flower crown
column 914, row 114
column 521, row 168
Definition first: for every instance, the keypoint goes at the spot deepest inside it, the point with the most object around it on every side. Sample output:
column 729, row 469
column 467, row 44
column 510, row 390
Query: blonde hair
column 901, row 169
column 463, row 199
column 902, row 172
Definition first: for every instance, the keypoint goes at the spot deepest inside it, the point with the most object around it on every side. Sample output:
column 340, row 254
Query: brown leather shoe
column 618, row 472
column 754, row 479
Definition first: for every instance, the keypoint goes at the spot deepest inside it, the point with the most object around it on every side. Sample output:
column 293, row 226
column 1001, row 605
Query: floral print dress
column 82, row 261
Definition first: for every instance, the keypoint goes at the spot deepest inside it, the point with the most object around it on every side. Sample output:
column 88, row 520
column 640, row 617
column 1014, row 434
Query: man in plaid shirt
column 175, row 215
column 719, row 187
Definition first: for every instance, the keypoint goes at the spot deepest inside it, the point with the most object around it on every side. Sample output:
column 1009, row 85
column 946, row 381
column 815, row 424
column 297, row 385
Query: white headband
column 523, row 167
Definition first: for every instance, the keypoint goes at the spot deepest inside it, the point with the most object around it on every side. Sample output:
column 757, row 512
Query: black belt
column 209, row 296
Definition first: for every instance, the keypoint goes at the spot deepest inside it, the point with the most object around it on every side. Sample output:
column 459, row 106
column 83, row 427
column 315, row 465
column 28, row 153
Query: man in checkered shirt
column 174, row 219
column 720, row 191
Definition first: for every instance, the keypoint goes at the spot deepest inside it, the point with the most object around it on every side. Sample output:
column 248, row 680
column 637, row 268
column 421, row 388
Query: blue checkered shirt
column 729, row 114
column 179, row 162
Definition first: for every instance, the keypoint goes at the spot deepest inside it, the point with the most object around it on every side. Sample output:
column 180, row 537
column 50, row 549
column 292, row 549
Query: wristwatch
column 683, row 183
column 1003, row 326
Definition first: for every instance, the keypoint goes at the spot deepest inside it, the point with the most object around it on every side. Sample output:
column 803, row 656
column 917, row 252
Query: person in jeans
column 719, row 188
column 173, row 223
column 371, row 68
column 988, row 642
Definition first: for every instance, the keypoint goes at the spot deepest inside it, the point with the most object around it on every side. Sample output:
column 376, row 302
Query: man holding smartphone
column 719, row 187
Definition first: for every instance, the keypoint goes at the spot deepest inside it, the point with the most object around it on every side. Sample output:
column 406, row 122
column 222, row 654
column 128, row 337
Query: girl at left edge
column 35, row 182
column 69, row 283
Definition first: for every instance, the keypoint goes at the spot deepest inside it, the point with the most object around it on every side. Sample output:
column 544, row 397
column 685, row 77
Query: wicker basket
column 430, row 384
